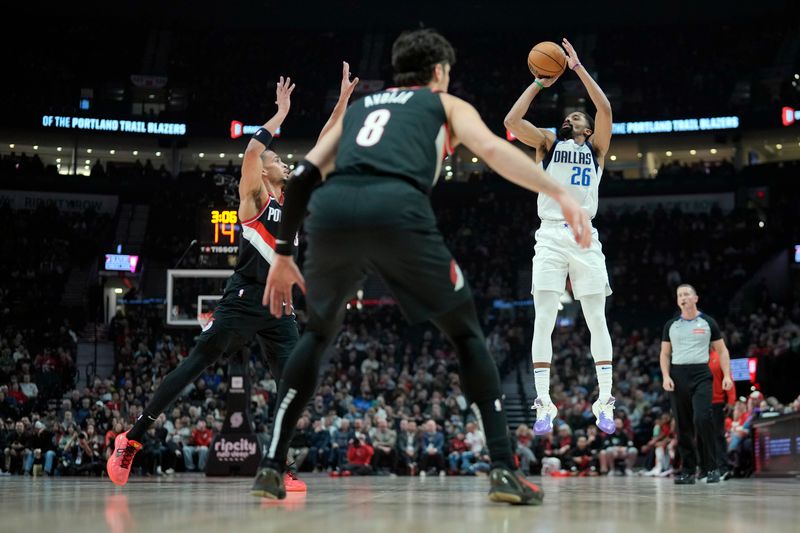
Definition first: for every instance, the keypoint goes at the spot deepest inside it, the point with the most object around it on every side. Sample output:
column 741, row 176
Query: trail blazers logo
column 456, row 276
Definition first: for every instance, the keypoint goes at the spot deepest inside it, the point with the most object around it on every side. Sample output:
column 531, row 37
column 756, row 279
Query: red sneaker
column 118, row 465
column 347, row 473
column 292, row 483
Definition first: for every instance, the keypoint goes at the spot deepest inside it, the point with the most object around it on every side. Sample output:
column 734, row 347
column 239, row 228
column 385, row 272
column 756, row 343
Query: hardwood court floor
column 383, row 504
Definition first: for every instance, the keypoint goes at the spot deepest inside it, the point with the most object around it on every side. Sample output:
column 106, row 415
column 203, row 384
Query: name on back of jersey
column 388, row 97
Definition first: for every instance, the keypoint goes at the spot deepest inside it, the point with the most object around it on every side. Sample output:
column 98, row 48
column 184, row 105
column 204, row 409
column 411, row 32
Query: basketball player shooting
column 574, row 158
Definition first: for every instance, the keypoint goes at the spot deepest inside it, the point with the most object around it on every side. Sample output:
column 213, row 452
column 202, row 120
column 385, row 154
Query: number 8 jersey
column 575, row 167
column 400, row 133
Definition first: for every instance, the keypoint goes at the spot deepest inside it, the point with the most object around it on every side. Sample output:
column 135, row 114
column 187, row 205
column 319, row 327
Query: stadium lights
column 117, row 291
column 112, row 152
column 779, row 146
column 136, row 152
column 221, row 155
column 474, row 159
column 613, row 158
column 87, row 162
column 35, row 146
column 88, row 150
column 288, row 156
column 201, row 154
column 58, row 160
column 797, row 76
column 58, row 149
column 669, row 153
column 639, row 155
column 158, row 154
column 291, row 167
column 242, row 155
column 12, row 145
column 693, row 152
column 713, row 150
column 761, row 224
column 448, row 168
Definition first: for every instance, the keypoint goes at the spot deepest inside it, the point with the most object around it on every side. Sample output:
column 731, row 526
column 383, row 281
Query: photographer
column 359, row 456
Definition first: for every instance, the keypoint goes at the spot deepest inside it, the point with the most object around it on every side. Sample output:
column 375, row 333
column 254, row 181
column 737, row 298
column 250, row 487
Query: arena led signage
column 789, row 116
column 238, row 129
column 669, row 126
column 116, row 125
column 122, row 263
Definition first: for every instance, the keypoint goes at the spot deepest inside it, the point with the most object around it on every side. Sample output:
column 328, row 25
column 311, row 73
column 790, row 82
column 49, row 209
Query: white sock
column 604, row 377
column 541, row 378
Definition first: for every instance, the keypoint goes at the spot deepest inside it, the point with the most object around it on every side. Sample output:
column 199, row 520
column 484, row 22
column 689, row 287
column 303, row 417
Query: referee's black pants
column 691, row 406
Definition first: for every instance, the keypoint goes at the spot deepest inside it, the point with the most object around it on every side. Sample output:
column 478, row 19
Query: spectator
column 408, row 447
column 300, row 444
column 618, row 447
column 432, row 456
column 359, row 456
column 384, row 441
column 524, row 438
column 320, row 446
column 339, row 443
column 199, row 442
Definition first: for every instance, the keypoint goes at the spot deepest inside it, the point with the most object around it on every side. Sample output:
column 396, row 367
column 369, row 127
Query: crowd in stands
column 389, row 402
column 390, row 399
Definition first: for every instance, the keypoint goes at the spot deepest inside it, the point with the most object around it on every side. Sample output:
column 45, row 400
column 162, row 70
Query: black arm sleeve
column 716, row 334
column 296, row 196
column 264, row 137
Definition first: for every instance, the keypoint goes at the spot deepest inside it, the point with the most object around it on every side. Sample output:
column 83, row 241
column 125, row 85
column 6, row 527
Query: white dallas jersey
column 575, row 168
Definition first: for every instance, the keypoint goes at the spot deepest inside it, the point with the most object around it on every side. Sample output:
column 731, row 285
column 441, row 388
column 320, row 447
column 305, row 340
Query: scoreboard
column 219, row 231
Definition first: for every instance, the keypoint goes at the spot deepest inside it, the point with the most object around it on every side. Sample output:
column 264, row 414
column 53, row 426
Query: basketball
column 546, row 60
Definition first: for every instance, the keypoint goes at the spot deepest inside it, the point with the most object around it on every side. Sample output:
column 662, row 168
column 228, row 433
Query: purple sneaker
column 605, row 415
column 545, row 414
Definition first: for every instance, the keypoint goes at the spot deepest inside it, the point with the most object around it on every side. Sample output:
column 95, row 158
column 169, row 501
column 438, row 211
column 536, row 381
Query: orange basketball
column 546, row 60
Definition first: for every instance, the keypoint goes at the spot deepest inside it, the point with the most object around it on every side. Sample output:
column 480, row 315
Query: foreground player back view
column 388, row 151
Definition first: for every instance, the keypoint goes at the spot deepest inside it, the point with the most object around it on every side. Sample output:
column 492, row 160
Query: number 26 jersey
column 575, row 167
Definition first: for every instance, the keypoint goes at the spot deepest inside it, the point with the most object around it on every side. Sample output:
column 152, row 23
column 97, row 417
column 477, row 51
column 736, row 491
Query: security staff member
column 684, row 364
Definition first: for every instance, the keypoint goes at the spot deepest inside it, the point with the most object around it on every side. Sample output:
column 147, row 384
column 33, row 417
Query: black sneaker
column 685, row 478
column 713, row 476
column 726, row 475
column 512, row 487
column 269, row 484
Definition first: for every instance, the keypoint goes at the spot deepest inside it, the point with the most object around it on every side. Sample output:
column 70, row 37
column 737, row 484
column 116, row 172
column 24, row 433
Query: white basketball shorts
column 557, row 255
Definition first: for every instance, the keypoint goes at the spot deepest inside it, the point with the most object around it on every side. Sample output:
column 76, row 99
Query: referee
column 684, row 364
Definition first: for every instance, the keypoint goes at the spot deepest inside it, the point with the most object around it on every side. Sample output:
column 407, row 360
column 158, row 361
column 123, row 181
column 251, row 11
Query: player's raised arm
column 346, row 90
column 525, row 131
column 511, row 163
column 601, row 138
column 251, row 185
column 309, row 172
